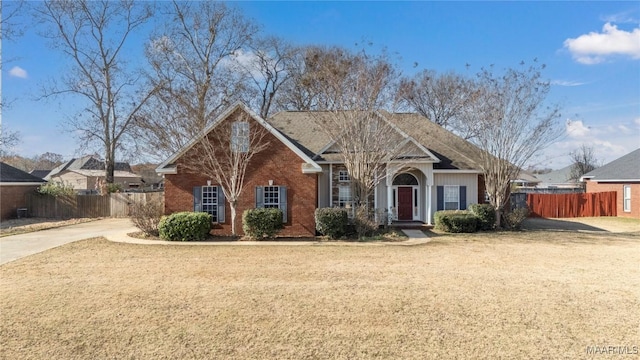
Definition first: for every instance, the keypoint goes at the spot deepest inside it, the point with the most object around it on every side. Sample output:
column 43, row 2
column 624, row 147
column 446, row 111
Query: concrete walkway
column 18, row 246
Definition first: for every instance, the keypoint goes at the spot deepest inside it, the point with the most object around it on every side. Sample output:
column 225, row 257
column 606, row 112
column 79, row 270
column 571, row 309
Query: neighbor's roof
column 40, row 173
column 454, row 153
column 561, row 176
column 99, row 173
column 626, row 168
column 9, row 174
column 88, row 162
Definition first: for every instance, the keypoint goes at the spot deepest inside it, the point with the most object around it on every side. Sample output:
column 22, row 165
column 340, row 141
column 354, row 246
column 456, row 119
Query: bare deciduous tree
column 93, row 35
column 307, row 90
column 268, row 68
column 440, row 98
column 224, row 154
column 584, row 160
column 8, row 140
column 352, row 88
column 514, row 124
column 192, row 65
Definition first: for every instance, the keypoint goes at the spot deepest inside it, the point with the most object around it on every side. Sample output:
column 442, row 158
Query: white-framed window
column 271, row 197
column 451, row 197
column 343, row 176
column 626, row 196
column 344, row 196
column 210, row 201
column 240, row 136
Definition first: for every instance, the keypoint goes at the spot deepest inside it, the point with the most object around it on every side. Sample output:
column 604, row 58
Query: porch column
column 428, row 203
column 389, row 183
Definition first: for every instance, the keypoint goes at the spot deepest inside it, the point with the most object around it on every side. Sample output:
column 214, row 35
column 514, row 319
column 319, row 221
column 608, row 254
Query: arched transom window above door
column 405, row 179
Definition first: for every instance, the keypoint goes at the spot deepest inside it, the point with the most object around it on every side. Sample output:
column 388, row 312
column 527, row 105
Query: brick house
column 622, row 176
column 15, row 184
column 300, row 171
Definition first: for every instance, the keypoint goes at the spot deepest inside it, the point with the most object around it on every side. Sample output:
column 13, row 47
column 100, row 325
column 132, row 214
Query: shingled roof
column 9, row 174
column 453, row 152
column 88, row 162
column 626, row 168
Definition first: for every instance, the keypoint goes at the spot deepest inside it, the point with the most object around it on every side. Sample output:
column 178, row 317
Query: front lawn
column 506, row 295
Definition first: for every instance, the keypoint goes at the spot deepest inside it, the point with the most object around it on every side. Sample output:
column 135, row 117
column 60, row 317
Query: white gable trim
column 311, row 166
column 406, row 136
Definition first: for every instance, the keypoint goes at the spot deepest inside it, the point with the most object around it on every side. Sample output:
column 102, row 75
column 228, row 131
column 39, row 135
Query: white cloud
column 624, row 129
column 595, row 47
column 621, row 17
column 576, row 129
column 18, row 72
column 637, row 121
column 567, row 83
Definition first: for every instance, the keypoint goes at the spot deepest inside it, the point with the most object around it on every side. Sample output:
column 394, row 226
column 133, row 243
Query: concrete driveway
column 18, row 246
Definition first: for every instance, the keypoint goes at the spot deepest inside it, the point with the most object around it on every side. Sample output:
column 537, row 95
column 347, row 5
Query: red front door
column 405, row 203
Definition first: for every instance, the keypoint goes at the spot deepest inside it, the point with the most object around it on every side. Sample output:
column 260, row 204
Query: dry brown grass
column 508, row 295
column 27, row 225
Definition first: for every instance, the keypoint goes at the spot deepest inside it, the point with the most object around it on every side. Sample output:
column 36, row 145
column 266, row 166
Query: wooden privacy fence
column 86, row 206
column 572, row 205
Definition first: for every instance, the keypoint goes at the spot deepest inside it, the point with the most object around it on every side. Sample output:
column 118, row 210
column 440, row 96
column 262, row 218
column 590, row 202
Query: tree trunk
column 109, row 169
column 232, row 205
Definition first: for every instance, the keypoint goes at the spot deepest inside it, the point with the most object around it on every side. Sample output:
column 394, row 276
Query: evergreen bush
column 456, row 221
column 332, row 222
column 185, row 226
column 262, row 222
column 486, row 215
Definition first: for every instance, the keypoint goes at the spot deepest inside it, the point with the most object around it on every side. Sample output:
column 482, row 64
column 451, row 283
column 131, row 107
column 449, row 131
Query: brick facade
column 278, row 163
column 593, row 186
column 13, row 197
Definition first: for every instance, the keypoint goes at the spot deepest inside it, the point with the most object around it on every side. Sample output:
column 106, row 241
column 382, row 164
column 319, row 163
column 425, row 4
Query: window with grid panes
column 240, row 136
column 271, row 196
column 344, row 196
column 343, row 176
column 210, row 201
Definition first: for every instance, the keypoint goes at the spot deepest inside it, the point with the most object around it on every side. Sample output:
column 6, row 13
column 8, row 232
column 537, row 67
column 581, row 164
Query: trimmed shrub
column 332, row 222
column 185, row 226
column 146, row 216
column 486, row 215
column 262, row 222
column 456, row 221
column 514, row 218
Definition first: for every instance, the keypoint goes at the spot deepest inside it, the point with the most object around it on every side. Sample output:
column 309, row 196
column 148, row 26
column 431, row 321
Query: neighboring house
column 622, row 176
column 40, row 173
column 150, row 178
column 14, row 185
column 559, row 179
column 83, row 174
column 301, row 171
column 525, row 179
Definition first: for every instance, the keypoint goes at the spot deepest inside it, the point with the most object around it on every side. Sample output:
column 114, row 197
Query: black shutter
column 439, row 198
column 283, row 203
column 197, row 199
column 259, row 197
column 463, row 198
column 221, row 205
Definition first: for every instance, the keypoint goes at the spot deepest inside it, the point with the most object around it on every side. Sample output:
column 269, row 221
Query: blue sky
column 591, row 49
